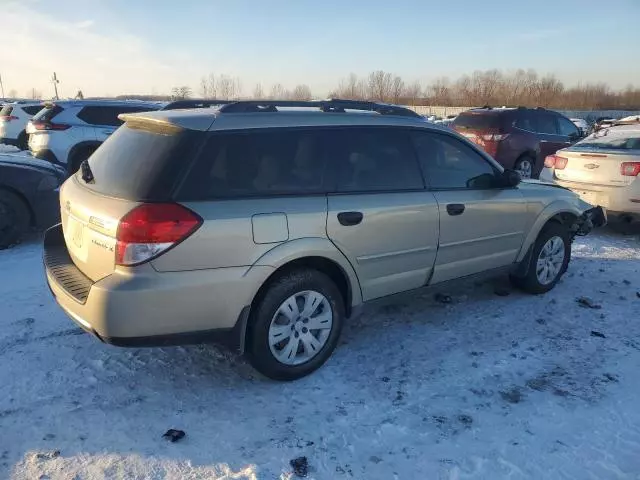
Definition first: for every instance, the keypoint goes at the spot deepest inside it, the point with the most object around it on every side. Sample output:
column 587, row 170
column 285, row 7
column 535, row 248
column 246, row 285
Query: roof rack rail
column 330, row 105
column 196, row 103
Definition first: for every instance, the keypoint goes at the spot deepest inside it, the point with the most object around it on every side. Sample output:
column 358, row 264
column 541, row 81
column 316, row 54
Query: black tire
column 78, row 158
column 530, row 282
column 14, row 219
column 281, row 288
column 23, row 141
column 532, row 162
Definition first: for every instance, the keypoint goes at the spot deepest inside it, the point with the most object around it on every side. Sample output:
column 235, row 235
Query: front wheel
column 549, row 260
column 295, row 326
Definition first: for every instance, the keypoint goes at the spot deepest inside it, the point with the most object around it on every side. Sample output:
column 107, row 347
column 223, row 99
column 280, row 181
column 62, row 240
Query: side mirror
column 511, row 178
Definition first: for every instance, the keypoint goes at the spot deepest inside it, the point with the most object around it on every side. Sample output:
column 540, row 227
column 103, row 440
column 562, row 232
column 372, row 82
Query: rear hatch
column 605, row 160
column 139, row 164
column 482, row 127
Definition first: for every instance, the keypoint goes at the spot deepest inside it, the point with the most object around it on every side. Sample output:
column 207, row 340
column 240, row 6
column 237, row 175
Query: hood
column 541, row 183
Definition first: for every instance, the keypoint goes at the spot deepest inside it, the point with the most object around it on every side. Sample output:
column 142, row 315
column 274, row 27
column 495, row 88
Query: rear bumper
column 142, row 307
column 621, row 200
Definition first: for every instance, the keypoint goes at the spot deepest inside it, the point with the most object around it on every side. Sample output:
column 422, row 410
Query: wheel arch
column 558, row 212
column 24, row 200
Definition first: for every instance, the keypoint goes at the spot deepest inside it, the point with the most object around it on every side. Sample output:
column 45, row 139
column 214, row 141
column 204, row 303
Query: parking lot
column 488, row 386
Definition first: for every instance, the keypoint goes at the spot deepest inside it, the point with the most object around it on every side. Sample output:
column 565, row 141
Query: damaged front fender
column 593, row 218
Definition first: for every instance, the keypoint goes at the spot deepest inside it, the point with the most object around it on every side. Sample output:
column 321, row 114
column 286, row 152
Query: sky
column 111, row 47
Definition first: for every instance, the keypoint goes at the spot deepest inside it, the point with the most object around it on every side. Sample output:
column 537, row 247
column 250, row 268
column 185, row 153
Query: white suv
column 13, row 121
column 67, row 132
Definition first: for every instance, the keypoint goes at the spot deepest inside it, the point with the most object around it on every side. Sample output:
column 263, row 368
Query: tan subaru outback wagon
column 265, row 225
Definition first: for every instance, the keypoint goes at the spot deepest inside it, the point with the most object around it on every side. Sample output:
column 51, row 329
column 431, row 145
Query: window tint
column 374, row 160
column 450, row 164
column 105, row 115
column 48, row 113
column 477, row 121
column 258, row 163
column 546, row 123
column 32, row 110
column 567, row 127
column 142, row 161
column 525, row 121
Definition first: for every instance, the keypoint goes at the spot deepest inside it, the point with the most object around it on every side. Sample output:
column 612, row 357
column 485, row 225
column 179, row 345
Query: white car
column 604, row 169
column 13, row 122
column 582, row 124
column 67, row 132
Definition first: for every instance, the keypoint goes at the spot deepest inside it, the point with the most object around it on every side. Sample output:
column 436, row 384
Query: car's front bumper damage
column 593, row 218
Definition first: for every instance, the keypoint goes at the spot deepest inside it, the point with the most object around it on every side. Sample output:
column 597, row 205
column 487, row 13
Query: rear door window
column 258, row 163
column 373, row 160
column 142, row 161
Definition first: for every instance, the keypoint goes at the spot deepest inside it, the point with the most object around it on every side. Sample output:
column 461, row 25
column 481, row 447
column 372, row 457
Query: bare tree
column 278, row 92
column 301, row 92
column 412, row 93
column 258, row 92
column 181, row 93
column 397, row 89
column 380, row 85
column 204, row 88
column 13, row 93
column 213, row 86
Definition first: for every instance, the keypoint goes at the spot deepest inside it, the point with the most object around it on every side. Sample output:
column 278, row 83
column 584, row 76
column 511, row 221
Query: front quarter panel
column 545, row 202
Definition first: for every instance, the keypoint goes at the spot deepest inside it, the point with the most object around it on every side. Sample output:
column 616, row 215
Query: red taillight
column 630, row 169
column 555, row 161
column 7, row 118
column 151, row 229
column 40, row 125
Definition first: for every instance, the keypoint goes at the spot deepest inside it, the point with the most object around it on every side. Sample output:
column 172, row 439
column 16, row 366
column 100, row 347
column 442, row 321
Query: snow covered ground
column 486, row 387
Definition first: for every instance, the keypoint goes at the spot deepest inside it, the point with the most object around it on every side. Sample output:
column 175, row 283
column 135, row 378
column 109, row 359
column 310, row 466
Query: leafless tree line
column 490, row 87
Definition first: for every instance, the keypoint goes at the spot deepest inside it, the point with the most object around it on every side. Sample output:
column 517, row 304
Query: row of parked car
column 60, row 136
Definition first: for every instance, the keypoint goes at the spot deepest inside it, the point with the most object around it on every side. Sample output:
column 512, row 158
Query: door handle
column 350, row 218
column 454, row 209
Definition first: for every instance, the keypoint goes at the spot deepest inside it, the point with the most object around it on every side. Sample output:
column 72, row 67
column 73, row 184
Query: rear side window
column 108, row 115
column 373, row 160
column 258, row 163
column 32, row 110
column 47, row 113
column 477, row 121
column 141, row 161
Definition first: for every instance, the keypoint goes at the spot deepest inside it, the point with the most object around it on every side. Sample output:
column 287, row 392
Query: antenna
column 55, row 82
column 1, row 87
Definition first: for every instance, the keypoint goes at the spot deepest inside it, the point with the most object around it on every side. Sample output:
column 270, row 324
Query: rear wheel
column 549, row 260
column 14, row 219
column 295, row 326
column 525, row 167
